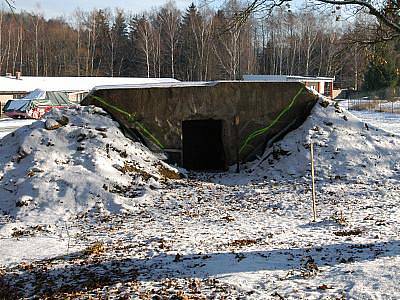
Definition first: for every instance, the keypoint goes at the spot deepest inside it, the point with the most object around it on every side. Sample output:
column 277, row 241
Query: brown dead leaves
column 350, row 232
column 243, row 242
column 168, row 173
column 95, row 249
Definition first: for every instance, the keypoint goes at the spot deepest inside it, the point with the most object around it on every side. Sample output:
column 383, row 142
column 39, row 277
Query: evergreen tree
column 102, row 54
column 188, row 44
column 119, row 36
column 132, row 50
column 381, row 71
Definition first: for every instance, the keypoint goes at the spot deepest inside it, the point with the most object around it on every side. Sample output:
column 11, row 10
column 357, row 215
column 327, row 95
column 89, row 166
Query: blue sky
column 52, row 8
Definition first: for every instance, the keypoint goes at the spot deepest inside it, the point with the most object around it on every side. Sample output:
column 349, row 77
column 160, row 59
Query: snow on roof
column 164, row 84
column 177, row 84
column 30, row 83
column 285, row 78
column 36, row 94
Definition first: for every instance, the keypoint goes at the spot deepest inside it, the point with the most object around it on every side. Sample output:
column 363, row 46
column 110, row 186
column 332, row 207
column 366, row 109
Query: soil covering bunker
column 207, row 125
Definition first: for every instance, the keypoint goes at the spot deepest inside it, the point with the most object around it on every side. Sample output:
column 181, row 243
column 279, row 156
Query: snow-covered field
column 387, row 121
column 80, row 221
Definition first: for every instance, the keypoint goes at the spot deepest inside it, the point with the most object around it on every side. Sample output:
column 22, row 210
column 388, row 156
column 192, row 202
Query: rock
column 123, row 154
column 102, row 128
column 24, row 201
column 52, row 124
column 324, row 103
column 81, row 137
column 37, row 170
column 63, row 120
column 21, row 154
column 99, row 111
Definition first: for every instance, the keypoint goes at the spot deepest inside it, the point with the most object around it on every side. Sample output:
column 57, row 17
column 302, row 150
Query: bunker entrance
column 202, row 145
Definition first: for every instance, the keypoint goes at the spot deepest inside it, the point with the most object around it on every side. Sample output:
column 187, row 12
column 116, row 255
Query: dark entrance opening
column 202, row 145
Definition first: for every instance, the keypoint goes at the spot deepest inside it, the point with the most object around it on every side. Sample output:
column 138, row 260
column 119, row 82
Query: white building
column 12, row 87
column 323, row 85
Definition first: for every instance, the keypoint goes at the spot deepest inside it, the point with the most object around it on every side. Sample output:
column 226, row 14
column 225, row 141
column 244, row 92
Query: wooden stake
column 236, row 123
column 314, row 204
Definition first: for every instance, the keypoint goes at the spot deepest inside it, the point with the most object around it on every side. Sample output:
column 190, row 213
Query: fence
column 377, row 105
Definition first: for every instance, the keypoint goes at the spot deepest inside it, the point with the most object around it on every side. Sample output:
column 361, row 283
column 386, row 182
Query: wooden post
column 314, row 204
column 237, row 122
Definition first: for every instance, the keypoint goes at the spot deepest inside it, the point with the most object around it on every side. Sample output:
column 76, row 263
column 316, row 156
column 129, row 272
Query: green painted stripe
column 131, row 119
column 261, row 131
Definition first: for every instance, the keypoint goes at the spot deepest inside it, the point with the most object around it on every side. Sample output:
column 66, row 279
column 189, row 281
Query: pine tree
column 102, row 56
column 188, row 44
column 381, row 72
column 119, row 36
column 133, row 66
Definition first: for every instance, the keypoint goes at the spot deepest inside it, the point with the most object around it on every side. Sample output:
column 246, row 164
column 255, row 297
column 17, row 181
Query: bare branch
column 11, row 4
column 385, row 16
column 372, row 10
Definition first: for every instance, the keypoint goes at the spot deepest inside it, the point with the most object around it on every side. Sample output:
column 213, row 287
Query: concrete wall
column 162, row 109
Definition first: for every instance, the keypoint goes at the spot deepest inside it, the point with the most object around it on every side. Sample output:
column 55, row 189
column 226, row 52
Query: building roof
column 70, row 84
column 286, row 78
column 163, row 84
column 175, row 84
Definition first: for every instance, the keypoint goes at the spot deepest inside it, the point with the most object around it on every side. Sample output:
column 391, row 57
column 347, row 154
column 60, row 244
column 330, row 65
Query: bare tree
column 385, row 12
column 170, row 19
column 145, row 36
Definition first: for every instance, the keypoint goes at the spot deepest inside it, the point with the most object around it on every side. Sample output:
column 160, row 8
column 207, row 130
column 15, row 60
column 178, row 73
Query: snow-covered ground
column 387, row 121
column 8, row 125
column 246, row 235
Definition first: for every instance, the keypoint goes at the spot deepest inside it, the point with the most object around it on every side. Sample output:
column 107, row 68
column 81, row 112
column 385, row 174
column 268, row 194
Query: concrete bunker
column 207, row 125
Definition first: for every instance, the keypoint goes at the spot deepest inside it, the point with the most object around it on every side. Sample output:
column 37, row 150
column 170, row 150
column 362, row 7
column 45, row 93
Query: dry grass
column 242, row 243
column 168, row 173
column 129, row 168
column 95, row 249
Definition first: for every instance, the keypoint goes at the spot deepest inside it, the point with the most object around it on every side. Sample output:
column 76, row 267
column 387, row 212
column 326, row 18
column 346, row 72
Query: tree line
column 198, row 43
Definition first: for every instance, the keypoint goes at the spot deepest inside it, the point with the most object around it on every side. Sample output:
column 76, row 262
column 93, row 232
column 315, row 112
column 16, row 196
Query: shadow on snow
column 97, row 272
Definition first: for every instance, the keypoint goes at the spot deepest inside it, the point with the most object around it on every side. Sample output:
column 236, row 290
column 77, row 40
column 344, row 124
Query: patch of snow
column 13, row 251
column 387, row 121
column 8, row 125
